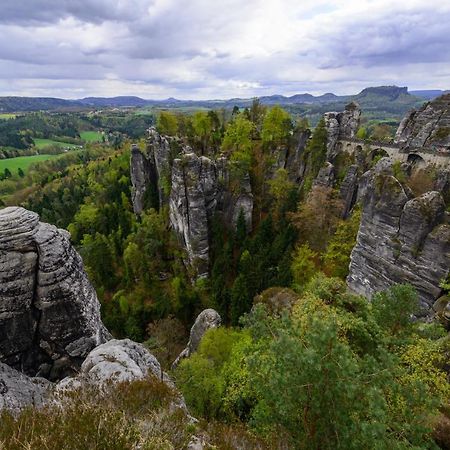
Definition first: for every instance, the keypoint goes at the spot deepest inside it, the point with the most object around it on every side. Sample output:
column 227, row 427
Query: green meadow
column 23, row 162
column 91, row 136
column 42, row 143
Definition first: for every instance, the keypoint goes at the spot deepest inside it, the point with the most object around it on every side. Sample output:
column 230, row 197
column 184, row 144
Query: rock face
column 401, row 239
column 349, row 189
column 49, row 311
column 193, row 200
column 141, row 174
column 341, row 125
column 18, row 390
column 427, row 127
column 207, row 319
column 195, row 188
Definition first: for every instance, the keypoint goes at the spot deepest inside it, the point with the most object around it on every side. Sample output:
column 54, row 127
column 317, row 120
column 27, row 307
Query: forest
column 328, row 370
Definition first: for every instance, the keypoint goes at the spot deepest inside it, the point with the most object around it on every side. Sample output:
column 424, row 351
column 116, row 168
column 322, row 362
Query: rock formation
column 349, row 189
column 427, row 127
column 49, row 312
column 195, row 188
column 18, row 390
column 207, row 319
column 341, row 125
column 401, row 239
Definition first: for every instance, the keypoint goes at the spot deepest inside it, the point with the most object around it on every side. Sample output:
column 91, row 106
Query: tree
column 203, row 128
column 20, row 172
column 316, row 149
column 7, row 173
column 167, row 123
column 277, row 127
column 318, row 216
column 280, row 188
column 303, row 265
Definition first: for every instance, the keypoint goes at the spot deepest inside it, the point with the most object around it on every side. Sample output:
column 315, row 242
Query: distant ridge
column 366, row 96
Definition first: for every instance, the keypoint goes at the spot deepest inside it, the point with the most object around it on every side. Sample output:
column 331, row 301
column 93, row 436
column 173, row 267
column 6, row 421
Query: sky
column 208, row 49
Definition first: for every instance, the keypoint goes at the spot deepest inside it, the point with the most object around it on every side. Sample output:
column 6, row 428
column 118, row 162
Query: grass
column 91, row 136
column 24, row 162
column 42, row 143
column 6, row 116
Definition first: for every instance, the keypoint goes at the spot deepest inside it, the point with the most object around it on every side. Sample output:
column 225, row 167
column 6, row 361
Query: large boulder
column 49, row 311
column 207, row 319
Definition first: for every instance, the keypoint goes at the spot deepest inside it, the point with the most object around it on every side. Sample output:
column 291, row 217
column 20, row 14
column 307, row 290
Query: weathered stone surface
column 140, row 171
column 207, row 319
column 400, row 240
column 349, row 189
column 427, row 127
column 325, row 177
column 192, row 204
column 49, row 312
column 18, row 390
column 116, row 361
column 341, row 125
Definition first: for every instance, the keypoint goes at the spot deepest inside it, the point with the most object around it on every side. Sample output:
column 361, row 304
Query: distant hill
column 388, row 100
column 429, row 94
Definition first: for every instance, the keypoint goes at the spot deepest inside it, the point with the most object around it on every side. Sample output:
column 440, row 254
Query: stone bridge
column 419, row 156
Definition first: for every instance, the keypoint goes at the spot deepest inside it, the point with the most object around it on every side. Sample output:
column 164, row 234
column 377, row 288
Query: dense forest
column 328, row 370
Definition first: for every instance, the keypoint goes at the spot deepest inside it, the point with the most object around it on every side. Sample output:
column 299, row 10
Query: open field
column 91, row 136
column 42, row 143
column 24, row 162
column 5, row 116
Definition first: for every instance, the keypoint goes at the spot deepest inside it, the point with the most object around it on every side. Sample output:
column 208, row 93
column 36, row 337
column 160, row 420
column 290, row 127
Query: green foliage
column 303, row 265
column 202, row 376
column 336, row 258
column 277, row 127
column 316, row 149
column 167, row 123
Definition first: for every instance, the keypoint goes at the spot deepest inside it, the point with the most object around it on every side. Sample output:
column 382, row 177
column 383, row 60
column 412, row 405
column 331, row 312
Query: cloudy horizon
column 200, row 50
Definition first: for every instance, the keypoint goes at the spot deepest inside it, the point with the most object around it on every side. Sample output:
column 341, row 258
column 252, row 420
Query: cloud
column 203, row 49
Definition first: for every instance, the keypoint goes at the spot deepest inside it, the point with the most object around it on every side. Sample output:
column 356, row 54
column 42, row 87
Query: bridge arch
column 378, row 153
column 415, row 160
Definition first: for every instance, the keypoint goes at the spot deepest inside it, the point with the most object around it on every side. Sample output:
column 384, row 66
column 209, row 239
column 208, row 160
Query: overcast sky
column 199, row 49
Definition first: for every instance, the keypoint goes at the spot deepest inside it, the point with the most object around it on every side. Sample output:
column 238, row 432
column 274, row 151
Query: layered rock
column 349, row 189
column 18, row 391
column 49, row 311
column 207, row 319
column 341, row 125
column 427, row 127
column 141, row 175
column 401, row 239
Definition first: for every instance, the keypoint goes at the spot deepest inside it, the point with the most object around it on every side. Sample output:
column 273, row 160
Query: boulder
column 49, row 311
column 207, row 319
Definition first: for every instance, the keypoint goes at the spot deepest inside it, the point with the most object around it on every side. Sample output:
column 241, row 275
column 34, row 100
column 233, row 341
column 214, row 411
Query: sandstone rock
column 207, row 319
column 400, row 240
column 116, row 361
column 140, row 171
column 18, row 391
column 349, row 189
column 49, row 312
column 193, row 200
column 325, row 177
column 341, row 125
column 427, row 127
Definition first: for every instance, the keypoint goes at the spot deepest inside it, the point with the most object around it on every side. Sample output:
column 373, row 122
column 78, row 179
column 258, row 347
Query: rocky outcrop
column 401, row 239
column 349, row 189
column 427, row 127
column 341, row 125
column 141, row 174
column 49, row 311
column 18, row 390
column 207, row 319
column 193, row 200
column 325, row 177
